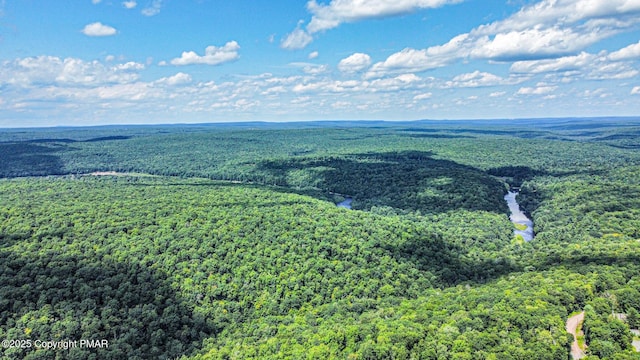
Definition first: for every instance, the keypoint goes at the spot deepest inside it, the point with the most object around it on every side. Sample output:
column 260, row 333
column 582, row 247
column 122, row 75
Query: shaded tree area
column 58, row 297
column 409, row 180
column 30, row 159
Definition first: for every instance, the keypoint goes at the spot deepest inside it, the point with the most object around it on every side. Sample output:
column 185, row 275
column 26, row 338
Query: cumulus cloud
column 213, row 55
column 560, row 12
column 538, row 90
column 400, row 82
column 354, row 63
column 98, row 29
column 310, row 68
column 313, row 69
column 635, row 90
column 548, row 29
column 534, row 43
column 297, row 39
column 313, row 55
column 48, row 70
column 412, row 60
column 584, row 65
column 331, row 15
column 477, row 79
column 553, row 28
column 567, row 63
column 602, row 70
column 403, row 81
column 628, row 53
column 274, row 90
column 328, row 16
column 177, row 79
column 127, row 92
column 423, row 96
column 130, row 4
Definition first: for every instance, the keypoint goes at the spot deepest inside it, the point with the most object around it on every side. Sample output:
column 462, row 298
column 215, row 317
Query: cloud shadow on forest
column 406, row 180
column 134, row 308
column 30, row 159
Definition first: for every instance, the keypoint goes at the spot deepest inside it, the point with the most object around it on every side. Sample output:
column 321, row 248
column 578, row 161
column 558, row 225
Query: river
column 518, row 217
column 345, row 204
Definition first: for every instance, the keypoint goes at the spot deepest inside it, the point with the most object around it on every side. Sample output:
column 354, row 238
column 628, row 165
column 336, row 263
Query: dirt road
column 572, row 326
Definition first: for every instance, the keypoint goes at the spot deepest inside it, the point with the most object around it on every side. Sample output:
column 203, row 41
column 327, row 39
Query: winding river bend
column 518, row 217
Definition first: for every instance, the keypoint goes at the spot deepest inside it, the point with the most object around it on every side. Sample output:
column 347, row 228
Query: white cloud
column 126, row 92
column 477, row 79
column 129, row 4
column 534, row 43
column 153, row 9
column 552, row 28
column 424, row 96
column 497, row 93
column 583, row 65
column 560, row 12
column 98, row 29
column 603, row 70
column 635, row 90
column 310, row 68
column 400, row 82
column 628, row 53
column 323, row 86
column 47, row 70
column 412, row 60
column 313, row 69
column 538, row 90
column 129, row 66
column 547, row 29
column 95, row 1
column 177, row 79
column 213, row 55
column 331, row 15
column 354, row 63
column 313, row 55
column 297, row 39
column 597, row 93
column 274, row 90
column 336, row 12
column 567, row 63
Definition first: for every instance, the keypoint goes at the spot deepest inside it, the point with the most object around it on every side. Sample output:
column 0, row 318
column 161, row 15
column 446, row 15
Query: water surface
column 518, row 217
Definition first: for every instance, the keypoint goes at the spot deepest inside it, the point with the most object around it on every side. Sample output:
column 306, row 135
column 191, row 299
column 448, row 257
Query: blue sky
column 89, row 62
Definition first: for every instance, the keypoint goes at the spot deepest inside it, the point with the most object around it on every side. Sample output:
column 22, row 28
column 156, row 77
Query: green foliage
column 633, row 318
column 263, row 265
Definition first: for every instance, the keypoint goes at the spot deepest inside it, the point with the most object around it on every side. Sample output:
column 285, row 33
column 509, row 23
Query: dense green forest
column 224, row 241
